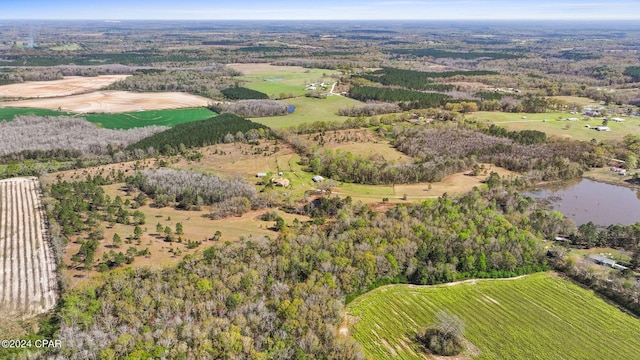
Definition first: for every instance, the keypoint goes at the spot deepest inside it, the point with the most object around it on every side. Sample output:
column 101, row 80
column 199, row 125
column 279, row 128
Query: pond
column 585, row 200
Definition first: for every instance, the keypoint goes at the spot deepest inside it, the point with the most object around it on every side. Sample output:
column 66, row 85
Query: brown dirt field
column 261, row 68
column 239, row 159
column 69, row 85
column 114, row 102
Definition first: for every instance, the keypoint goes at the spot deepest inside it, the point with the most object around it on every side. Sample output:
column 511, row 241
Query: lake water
column 585, row 200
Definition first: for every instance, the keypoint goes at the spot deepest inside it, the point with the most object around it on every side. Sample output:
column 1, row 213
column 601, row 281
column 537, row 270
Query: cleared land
column 130, row 120
column 70, row 85
column 555, row 124
column 277, row 81
column 114, row 102
column 309, row 110
column 453, row 184
column 197, row 227
column 536, row 317
column 28, row 284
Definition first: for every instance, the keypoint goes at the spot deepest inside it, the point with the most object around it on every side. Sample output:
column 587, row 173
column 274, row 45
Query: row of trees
column 252, row 108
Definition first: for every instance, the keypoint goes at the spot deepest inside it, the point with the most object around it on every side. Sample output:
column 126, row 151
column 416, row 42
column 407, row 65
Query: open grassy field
column 454, row 184
column 309, row 110
column 561, row 128
column 124, row 120
column 539, row 316
column 276, row 80
column 129, row 120
column 8, row 113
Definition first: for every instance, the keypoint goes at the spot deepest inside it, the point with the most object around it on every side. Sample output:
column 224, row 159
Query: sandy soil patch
column 114, row 102
column 70, row 85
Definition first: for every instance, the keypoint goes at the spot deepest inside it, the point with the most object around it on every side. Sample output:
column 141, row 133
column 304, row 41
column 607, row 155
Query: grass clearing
column 7, row 113
column 126, row 120
column 277, row 80
column 576, row 130
column 130, row 120
column 453, row 184
column 309, row 110
column 539, row 316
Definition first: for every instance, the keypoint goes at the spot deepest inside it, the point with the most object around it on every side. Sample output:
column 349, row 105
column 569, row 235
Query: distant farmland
column 126, row 120
column 27, row 265
column 536, row 317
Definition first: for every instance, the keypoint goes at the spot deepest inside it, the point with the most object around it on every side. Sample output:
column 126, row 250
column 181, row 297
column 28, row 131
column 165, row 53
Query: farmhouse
column 602, row 128
column 261, row 174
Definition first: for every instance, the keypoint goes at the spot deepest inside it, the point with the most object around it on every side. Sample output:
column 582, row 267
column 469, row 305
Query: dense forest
column 242, row 93
column 283, row 297
column 408, row 99
column 39, row 136
column 418, row 80
column 223, row 128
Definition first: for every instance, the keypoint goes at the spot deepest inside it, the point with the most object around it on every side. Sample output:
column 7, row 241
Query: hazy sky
column 319, row 9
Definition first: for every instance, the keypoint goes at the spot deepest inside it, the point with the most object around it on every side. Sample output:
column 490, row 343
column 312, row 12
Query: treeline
column 407, row 99
column 369, row 109
column 418, row 80
column 243, row 93
column 526, row 137
column 188, row 189
column 439, row 151
column 252, row 108
column 465, row 55
column 556, row 160
column 223, row 128
column 61, row 136
column 284, row 297
column 207, row 82
column 633, row 72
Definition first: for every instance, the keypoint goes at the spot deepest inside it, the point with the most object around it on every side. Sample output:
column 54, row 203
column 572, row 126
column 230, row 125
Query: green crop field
column 555, row 124
column 147, row 118
column 121, row 120
column 310, row 110
column 8, row 113
column 536, row 317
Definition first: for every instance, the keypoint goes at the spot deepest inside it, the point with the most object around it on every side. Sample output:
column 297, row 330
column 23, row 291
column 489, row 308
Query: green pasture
column 8, row 113
column 555, row 124
column 540, row 316
column 290, row 81
column 121, row 120
column 130, row 120
column 309, row 110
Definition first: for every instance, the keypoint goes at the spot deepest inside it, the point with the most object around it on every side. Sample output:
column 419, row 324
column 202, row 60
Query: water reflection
column 584, row 200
